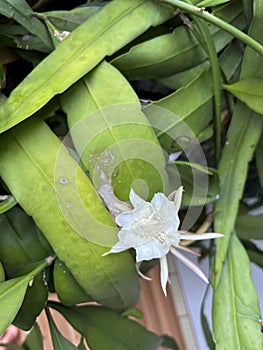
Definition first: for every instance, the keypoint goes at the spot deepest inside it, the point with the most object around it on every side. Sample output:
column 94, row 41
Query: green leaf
column 111, row 134
column 19, row 242
column 7, row 203
column 169, row 342
column 16, row 36
column 249, row 91
column 196, row 166
column 236, row 311
column 69, row 20
column 180, row 120
column 134, row 312
column 101, row 35
column 199, row 188
column 34, row 339
column 175, row 52
column 81, row 345
column 209, row 3
column 249, row 226
column 2, row 77
column 254, row 253
column 184, row 78
column 12, row 346
column 63, row 201
column 230, row 61
column 2, row 273
column 105, row 329
column 58, row 340
column 205, row 324
column 20, row 11
column 33, row 303
column 12, row 293
column 259, row 160
column 242, row 137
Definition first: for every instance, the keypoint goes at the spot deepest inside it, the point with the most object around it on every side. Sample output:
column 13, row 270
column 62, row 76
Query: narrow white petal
column 178, row 198
column 200, row 236
column 135, row 200
column 140, row 273
column 189, row 264
column 164, row 273
column 189, row 250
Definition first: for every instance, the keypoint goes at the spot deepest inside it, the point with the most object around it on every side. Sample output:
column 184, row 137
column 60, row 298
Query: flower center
column 154, row 231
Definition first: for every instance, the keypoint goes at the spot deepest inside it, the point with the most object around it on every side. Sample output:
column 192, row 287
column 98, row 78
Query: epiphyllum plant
column 151, row 228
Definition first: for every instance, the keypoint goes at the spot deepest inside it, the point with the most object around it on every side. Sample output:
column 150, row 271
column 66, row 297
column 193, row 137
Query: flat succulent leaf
column 58, row 340
column 20, row 11
column 69, row 20
column 249, row 226
column 230, row 61
column 34, row 339
column 6, row 204
column 200, row 187
column 103, row 34
column 61, row 200
column 236, row 311
column 243, row 135
column 254, row 253
column 15, row 35
column 241, row 140
column 104, row 329
column 112, row 135
column 12, row 293
column 33, row 303
column 181, row 122
column 175, row 52
column 19, row 242
column 249, row 91
column 259, row 160
column 209, row 3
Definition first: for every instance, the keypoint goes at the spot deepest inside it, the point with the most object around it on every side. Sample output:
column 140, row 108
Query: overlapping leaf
column 105, row 329
column 113, row 137
column 236, row 311
column 249, row 91
column 103, row 34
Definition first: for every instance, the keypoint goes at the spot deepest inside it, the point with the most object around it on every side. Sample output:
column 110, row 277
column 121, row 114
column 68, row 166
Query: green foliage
column 236, row 311
column 141, row 93
column 104, row 329
column 248, row 91
column 12, row 293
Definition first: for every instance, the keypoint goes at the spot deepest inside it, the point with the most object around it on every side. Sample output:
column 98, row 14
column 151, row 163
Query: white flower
column 152, row 230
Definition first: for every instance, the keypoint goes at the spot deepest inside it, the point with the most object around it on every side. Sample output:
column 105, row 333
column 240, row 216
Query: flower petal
column 189, row 264
column 125, row 219
column 138, row 216
column 164, row 273
column 117, row 248
column 166, row 212
column 200, row 236
column 152, row 249
column 178, row 198
column 140, row 273
column 135, row 200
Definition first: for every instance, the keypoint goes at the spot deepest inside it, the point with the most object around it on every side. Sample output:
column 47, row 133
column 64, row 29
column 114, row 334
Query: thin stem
column 48, row 261
column 201, row 13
